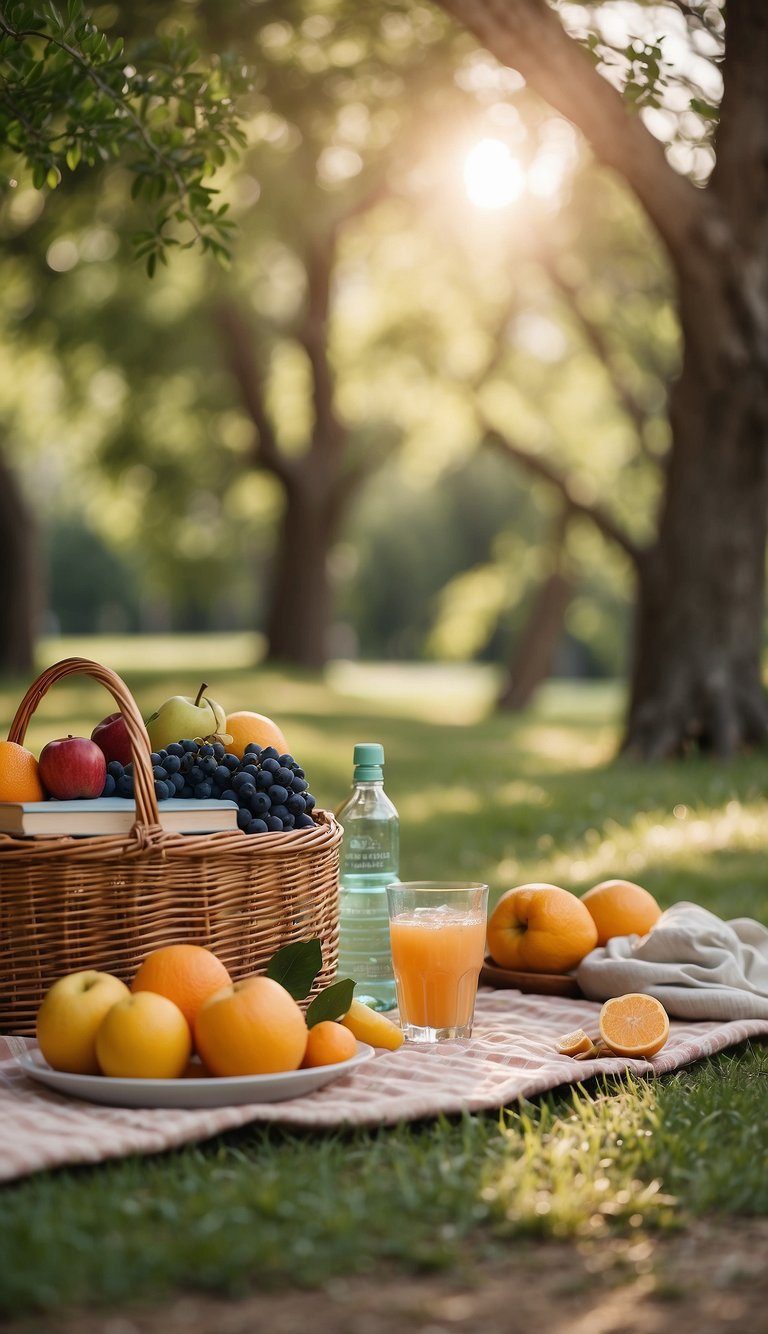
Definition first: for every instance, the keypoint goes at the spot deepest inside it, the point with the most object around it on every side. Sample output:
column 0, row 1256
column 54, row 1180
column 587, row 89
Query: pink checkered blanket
column 510, row 1055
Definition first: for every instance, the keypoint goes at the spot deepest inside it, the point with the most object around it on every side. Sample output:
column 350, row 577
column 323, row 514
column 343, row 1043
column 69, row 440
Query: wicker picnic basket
column 104, row 902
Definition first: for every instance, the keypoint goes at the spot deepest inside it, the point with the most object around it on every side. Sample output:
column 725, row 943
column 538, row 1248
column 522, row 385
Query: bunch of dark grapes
column 270, row 789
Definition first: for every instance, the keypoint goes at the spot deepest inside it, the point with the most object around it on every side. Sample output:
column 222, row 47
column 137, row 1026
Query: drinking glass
column 437, row 933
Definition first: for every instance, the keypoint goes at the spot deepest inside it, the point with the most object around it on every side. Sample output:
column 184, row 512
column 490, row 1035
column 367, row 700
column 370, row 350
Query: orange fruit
column 253, row 1027
column 245, row 727
column 327, row 1043
column 634, row 1025
column 571, row 1044
column 186, row 974
column 19, row 775
column 370, row 1026
column 144, row 1036
column 621, row 908
column 540, row 929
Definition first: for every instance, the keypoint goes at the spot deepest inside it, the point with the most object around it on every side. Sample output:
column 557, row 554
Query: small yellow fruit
column 144, row 1036
column 372, row 1027
column 69, row 1018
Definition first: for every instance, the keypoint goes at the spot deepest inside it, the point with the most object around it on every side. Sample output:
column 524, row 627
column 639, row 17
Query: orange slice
column 571, row 1044
column 634, row 1025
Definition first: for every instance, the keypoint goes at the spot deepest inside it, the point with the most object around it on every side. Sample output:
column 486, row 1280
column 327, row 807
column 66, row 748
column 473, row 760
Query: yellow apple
column 69, row 1016
column 144, row 1036
column 180, row 717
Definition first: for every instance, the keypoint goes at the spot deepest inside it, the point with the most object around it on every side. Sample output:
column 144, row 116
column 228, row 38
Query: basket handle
column 143, row 778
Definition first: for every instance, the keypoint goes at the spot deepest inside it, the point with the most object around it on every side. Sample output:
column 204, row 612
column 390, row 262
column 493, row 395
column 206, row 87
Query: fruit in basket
column 19, row 774
column 111, row 736
column 181, row 716
column 73, row 768
column 269, row 788
column 540, row 928
column 253, row 1027
column 246, row 728
column 69, row 1018
column 186, row 974
column 144, row 1036
column 370, row 1026
column 327, row 1043
column 621, row 908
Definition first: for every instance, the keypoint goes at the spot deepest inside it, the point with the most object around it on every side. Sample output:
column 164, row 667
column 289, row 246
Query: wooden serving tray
column 543, row 984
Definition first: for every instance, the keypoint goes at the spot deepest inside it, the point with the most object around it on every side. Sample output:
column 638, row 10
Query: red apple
column 72, row 767
column 111, row 736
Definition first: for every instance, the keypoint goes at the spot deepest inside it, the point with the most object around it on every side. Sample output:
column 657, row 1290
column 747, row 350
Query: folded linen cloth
column 696, row 964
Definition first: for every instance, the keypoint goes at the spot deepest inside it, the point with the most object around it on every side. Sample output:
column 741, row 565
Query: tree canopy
column 644, row 415
column 71, row 94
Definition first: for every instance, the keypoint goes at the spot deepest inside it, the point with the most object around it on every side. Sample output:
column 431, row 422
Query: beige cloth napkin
column 696, row 964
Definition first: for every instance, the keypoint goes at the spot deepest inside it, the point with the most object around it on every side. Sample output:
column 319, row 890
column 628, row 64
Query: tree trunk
column 299, row 613
column 19, row 595
column 535, row 652
column 696, row 678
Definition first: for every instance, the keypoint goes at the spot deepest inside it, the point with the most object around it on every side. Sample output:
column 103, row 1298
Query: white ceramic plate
column 190, row 1092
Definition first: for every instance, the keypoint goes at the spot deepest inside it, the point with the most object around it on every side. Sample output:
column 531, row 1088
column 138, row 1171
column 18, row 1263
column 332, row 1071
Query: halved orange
column 570, row 1044
column 634, row 1025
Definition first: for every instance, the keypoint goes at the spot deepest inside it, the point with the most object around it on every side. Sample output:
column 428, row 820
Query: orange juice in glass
column 437, row 934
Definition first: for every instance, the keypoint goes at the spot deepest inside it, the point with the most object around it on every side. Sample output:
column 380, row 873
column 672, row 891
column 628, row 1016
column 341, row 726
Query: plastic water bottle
column 370, row 854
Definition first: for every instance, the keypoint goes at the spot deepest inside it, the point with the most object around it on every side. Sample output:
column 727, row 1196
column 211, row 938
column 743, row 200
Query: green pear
column 180, row 717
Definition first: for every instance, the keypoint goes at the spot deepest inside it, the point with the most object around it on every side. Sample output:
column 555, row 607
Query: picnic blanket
column 696, row 964
column 511, row 1055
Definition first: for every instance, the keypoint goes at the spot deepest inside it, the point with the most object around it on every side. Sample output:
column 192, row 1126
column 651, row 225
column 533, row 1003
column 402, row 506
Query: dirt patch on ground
column 712, row 1277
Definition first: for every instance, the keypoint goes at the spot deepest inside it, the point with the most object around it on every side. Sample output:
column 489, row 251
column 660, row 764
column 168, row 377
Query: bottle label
column 365, row 854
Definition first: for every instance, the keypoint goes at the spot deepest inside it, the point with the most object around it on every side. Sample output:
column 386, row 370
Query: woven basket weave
column 104, row 902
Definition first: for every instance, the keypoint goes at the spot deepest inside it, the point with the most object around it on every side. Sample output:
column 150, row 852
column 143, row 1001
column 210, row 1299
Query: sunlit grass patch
column 569, row 1173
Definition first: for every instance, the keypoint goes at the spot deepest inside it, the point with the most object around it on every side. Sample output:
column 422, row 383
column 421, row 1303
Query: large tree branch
column 328, row 436
column 245, row 368
column 528, row 36
column 597, row 341
column 541, row 467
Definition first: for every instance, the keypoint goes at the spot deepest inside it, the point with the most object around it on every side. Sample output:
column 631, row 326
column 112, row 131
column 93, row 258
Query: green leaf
column 704, row 109
column 296, row 966
column 332, row 1003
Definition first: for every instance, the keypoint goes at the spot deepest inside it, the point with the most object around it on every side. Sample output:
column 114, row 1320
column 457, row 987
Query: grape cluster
column 270, row 789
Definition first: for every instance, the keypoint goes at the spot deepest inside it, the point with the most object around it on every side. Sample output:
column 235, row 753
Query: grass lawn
column 503, row 799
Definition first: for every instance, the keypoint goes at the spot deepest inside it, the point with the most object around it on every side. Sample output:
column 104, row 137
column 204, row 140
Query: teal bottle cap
column 368, row 759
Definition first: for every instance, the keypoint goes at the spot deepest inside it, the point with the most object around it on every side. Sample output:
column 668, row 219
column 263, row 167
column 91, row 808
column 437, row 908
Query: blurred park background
column 424, row 409
column 442, row 422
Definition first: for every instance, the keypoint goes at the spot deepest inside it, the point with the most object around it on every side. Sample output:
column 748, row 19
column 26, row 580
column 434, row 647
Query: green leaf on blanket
column 332, row 1003
column 296, row 966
